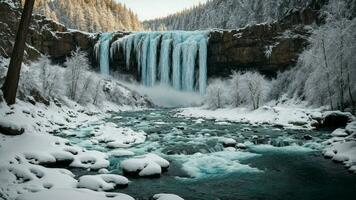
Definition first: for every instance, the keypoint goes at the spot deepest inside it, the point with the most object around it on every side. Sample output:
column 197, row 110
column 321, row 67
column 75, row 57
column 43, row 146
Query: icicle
column 176, row 71
column 144, row 52
column 164, row 62
column 190, row 49
column 152, row 60
column 203, row 54
column 104, row 53
column 175, row 65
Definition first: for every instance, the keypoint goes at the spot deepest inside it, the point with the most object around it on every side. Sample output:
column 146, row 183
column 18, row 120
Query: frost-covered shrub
column 50, row 77
column 250, row 89
column 215, row 94
column 43, row 79
column 254, row 88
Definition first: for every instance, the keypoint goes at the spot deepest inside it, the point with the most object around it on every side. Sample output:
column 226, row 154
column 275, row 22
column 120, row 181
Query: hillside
column 226, row 14
column 89, row 15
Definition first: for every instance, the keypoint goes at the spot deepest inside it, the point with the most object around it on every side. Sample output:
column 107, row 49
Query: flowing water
column 176, row 58
column 277, row 163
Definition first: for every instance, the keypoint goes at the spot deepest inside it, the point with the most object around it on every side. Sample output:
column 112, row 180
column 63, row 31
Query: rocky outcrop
column 268, row 48
column 45, row 36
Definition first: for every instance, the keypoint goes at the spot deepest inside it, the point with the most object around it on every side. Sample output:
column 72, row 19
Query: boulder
column 336, row 119
column 8, row 130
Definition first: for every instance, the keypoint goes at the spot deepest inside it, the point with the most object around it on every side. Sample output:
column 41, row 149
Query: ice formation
column 177, row 59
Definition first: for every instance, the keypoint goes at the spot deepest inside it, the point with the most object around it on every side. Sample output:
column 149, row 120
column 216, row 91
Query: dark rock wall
column 245, row 49
column 45, row 36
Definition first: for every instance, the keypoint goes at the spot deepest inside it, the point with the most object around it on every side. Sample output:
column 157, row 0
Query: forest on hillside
column 229, row 14
column 89, row 15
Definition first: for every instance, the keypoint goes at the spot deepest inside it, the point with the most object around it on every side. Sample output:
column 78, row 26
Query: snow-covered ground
column 25, row 159
column 293, row 117
column 342, row 147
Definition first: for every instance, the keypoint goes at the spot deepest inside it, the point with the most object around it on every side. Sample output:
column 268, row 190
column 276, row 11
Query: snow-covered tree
column 89, row 15
column 227, row 14
column 77, row 65
column 254, row 87
column 325, row 73
column 215, row 94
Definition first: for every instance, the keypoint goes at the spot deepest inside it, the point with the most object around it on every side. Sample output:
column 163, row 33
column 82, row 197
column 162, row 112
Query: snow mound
column 342, row 147
column 288, row 116
column 118, row 137
column 228, row 142
column 103, row 182
column 339, row 133
column 22, row 178
column 166, row 197
column 77, row 194
column 147, row 165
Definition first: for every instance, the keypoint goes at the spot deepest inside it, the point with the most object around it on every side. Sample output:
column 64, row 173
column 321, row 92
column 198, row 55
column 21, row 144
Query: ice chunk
column 219, row 163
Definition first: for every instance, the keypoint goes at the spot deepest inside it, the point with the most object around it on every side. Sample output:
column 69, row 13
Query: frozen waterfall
column 177, row 58
column 102, row 52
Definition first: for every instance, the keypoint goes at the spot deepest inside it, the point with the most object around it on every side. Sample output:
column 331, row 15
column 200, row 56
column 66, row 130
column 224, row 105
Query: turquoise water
column 277, row 164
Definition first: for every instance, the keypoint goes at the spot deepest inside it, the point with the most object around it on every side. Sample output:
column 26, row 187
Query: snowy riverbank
column 341, row 148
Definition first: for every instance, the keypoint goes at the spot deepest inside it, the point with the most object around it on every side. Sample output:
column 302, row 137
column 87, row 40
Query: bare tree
column 13, row 74
column 76, row 65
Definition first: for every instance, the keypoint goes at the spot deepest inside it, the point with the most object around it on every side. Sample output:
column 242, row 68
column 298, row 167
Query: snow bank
column 78, row 194
column 118, row 137
column 287, row 116
column 103, row 182
column 166, row 197
column 147, row 165
column 342, row 147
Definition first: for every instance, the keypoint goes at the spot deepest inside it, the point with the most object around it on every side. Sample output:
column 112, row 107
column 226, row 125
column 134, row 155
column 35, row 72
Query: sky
column 151, row 9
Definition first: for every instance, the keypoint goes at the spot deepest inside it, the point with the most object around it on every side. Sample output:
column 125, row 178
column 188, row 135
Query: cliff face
column 45, row 36
column 267, row 48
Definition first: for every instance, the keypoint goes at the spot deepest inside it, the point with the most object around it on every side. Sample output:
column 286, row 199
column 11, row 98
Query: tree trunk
column 327, row 74
column 13, row 74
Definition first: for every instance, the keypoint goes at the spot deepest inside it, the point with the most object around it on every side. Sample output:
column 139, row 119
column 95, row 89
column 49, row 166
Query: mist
column 166, row 96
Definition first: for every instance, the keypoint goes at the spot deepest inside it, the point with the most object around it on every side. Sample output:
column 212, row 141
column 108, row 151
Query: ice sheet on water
column 293, row 148
column 218, row 163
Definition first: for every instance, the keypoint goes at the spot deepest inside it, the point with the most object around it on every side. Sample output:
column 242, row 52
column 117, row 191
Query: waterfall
column 175, row 58
column 102, row 50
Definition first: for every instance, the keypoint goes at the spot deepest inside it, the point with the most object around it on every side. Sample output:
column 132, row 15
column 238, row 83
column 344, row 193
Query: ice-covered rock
column 102, row 182
column 118, row 137
column 166, row 197
column 147, row 165
column 339, row 133
column 336, row 119
column 351, row 128
column 10, row 128
column 228, row 142
column 241, row 146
